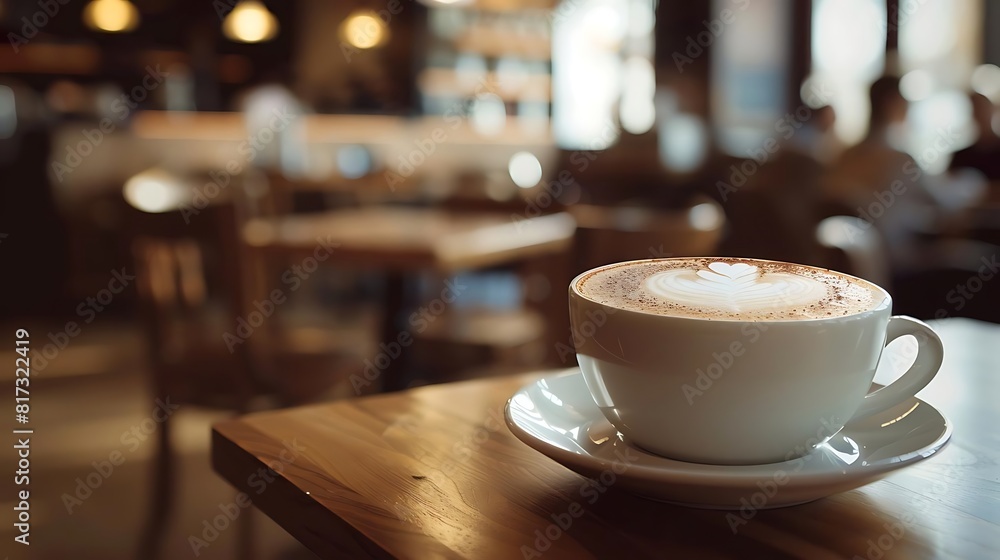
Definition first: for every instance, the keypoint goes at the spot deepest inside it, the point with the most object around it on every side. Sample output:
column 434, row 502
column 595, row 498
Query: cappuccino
column 730, row 289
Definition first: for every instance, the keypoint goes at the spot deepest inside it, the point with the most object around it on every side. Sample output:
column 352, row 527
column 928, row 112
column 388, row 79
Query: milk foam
column 730, row 289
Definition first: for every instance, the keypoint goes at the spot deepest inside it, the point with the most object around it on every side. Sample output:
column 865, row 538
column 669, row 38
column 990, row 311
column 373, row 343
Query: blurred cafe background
column 211, row 208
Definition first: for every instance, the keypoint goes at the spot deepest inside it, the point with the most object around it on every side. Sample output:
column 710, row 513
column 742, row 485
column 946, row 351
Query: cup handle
column 930, row 354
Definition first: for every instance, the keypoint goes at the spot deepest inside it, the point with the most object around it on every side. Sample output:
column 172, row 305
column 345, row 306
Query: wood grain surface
column 434, row 473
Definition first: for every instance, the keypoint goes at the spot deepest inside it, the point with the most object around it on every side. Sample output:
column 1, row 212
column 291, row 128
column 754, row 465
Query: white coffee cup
column 777, row 387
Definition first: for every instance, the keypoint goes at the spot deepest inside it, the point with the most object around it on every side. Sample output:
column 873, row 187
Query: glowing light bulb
column 112, row 16
column 250, row 22
column 364, row 30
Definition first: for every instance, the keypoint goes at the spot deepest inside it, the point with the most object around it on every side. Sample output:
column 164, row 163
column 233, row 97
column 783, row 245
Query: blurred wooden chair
column 190, row 364
column 620, row 233
column 956, row 281
column 192, row 284
column 461, row 342
column 766, row 224
column 950, row 281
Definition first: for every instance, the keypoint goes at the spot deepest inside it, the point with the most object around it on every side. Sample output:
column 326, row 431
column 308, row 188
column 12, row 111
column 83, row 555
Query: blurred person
column 984, row 154
column 775, row 211
column 817, row 138
column 882, row 184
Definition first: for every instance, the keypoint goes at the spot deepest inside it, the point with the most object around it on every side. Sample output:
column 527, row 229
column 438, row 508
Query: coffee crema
column 729, row 288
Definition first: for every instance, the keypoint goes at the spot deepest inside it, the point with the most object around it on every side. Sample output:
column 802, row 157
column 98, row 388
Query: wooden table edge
column 234, row 463
column 237, row 464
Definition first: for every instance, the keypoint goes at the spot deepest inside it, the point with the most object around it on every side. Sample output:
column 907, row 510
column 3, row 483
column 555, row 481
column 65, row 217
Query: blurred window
column 848, row 51
column 750, row 46
column 587, row 36
column 939, row 51
column 602, row 71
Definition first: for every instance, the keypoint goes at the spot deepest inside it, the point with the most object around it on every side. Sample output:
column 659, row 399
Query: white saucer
column 557, row 416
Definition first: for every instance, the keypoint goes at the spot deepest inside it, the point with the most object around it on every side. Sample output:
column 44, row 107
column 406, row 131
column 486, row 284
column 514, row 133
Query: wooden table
column 407, row 238
column 434, row 473
column 400, row 240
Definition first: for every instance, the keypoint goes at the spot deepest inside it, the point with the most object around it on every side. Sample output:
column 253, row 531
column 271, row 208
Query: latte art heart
column 723, row 288
column 735, row 288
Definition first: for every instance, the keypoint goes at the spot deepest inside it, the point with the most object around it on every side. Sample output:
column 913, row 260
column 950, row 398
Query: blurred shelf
column 496, row 44
column 447, row 82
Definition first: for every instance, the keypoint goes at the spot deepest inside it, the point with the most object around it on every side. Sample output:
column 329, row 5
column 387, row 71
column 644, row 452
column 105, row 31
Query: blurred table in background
column 434, row 473
column 398, row 241
column 404, row 238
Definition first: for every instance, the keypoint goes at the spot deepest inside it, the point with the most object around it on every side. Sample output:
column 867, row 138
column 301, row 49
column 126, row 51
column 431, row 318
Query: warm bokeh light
column 250, row 22
column 154, row 191
column 525, row 169
column 112, row 16
column 364, row 30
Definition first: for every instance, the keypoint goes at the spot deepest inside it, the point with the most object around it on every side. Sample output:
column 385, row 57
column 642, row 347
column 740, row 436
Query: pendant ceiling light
column 250, row 22
column 364, row 30
column 112, row 16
